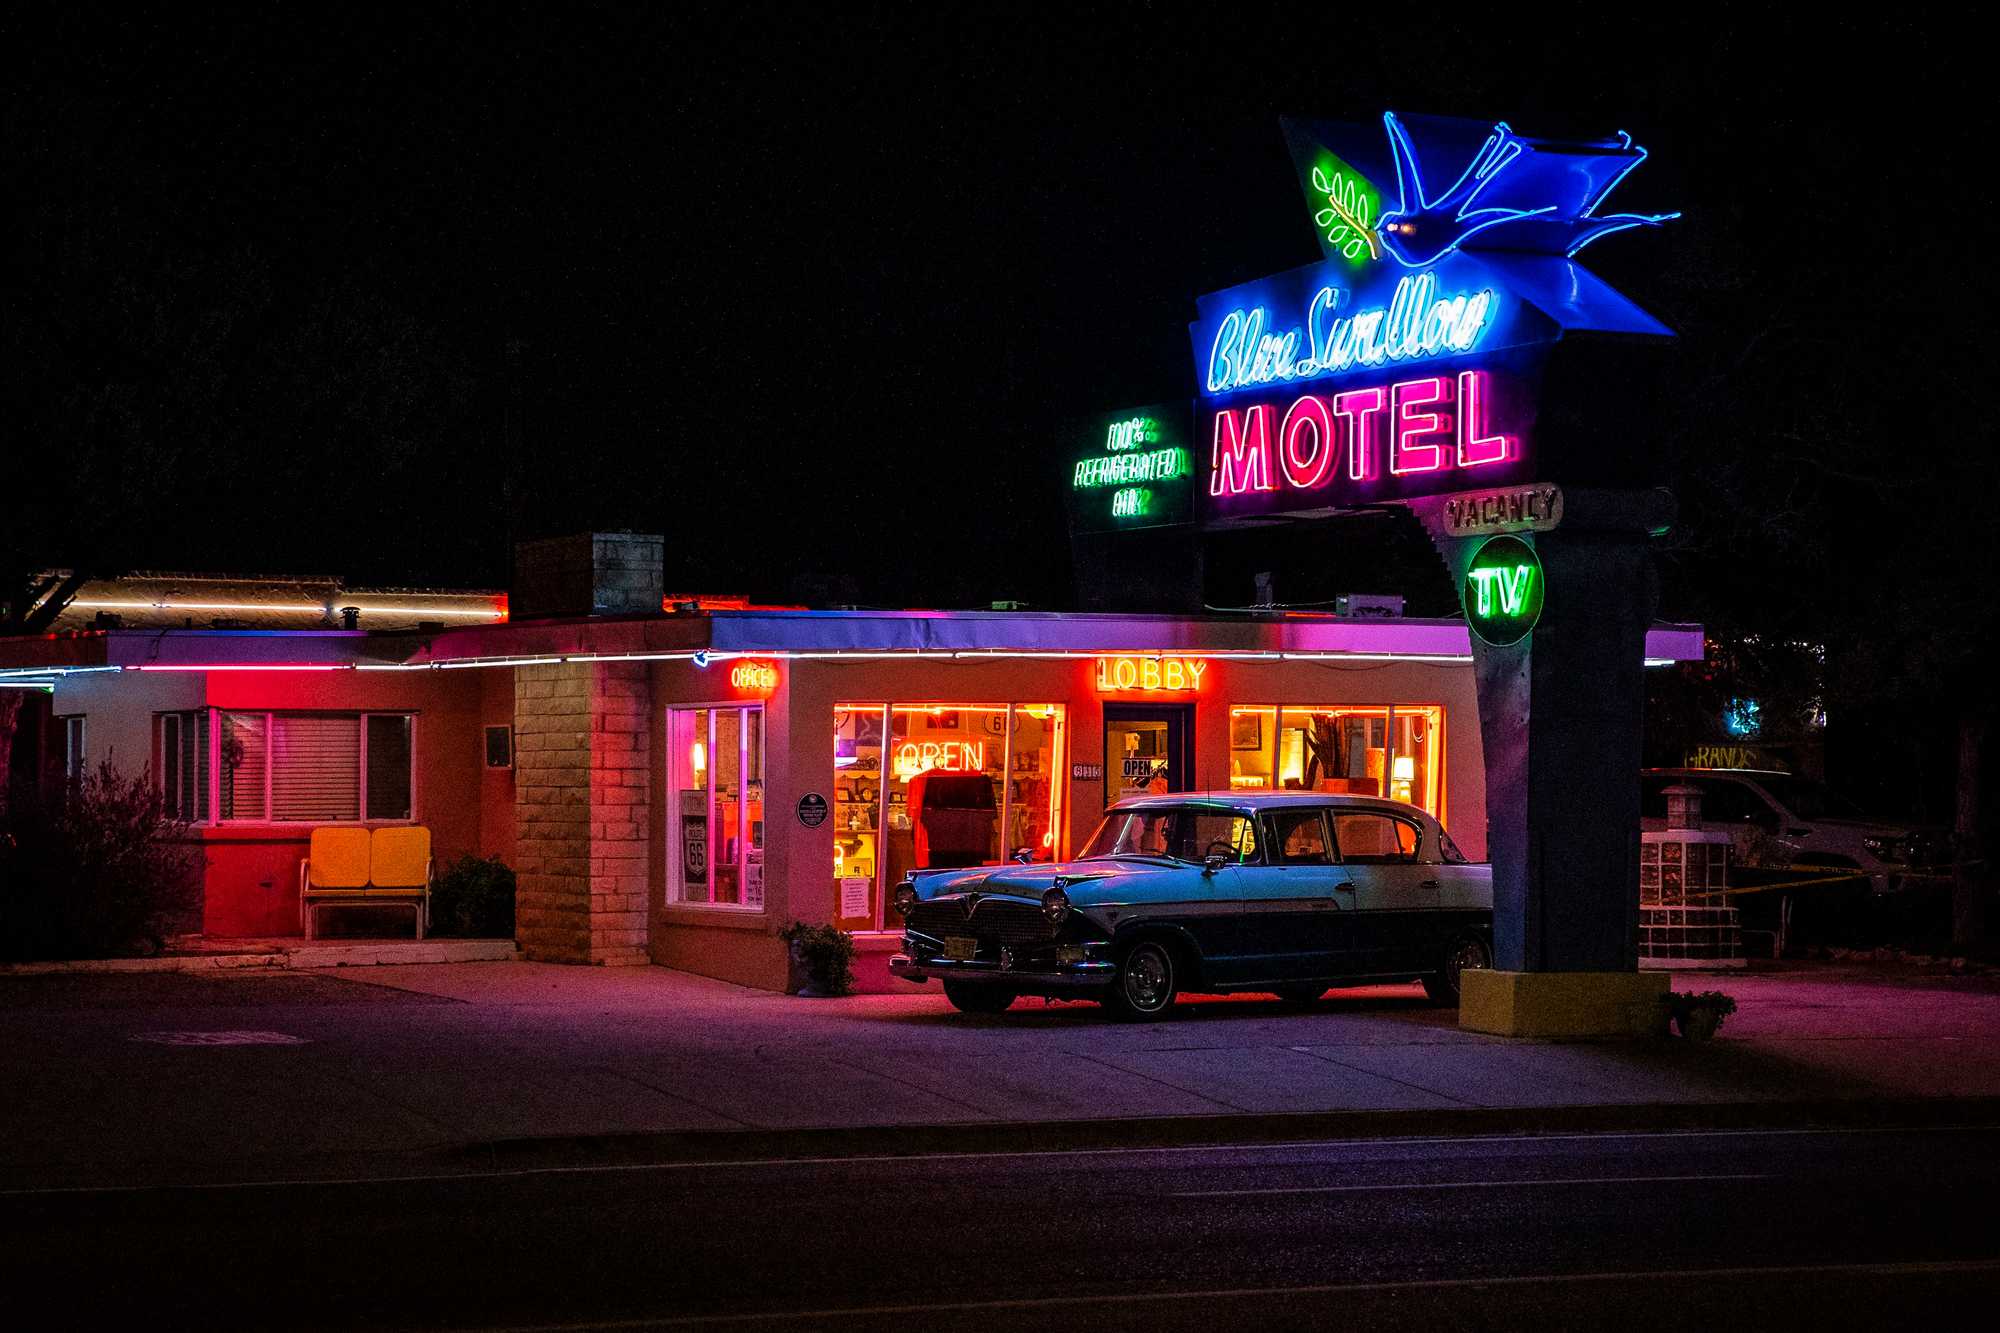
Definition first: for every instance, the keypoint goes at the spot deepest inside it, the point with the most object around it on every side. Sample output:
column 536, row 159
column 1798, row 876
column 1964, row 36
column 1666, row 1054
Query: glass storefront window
column 920, row 786
column 717, row 758
column 1394, row 751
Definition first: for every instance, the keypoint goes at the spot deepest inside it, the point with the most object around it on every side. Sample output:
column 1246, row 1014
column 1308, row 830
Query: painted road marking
column 756, row 1163
column 1916, row 1268
column 1466, row 1185
column 236, row 1037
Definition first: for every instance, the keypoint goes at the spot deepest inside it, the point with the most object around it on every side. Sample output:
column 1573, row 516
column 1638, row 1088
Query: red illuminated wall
column 252, row 880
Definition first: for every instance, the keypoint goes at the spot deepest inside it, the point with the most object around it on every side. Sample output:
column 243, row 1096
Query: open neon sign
column 1432, row 424
column 914, row 757
column 1416, row 324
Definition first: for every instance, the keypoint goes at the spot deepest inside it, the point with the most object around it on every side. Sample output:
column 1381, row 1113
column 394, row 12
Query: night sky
column 376, row 293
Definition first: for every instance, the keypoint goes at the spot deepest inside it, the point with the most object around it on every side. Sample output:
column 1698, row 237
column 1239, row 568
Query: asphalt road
column 1758, row 1229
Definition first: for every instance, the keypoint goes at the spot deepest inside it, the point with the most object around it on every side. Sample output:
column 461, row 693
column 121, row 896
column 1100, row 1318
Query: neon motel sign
column 1503, row 590
column 1430, row 424
column 1416, row 324
column 1138, row 460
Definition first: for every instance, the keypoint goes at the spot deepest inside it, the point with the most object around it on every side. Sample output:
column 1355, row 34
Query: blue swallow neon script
column 1416, row 323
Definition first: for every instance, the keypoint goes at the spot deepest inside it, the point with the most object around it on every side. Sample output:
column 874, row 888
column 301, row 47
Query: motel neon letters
column 1150, row 675
column 1433, row 423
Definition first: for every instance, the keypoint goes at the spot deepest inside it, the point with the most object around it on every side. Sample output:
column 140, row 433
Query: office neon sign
column 760, row 678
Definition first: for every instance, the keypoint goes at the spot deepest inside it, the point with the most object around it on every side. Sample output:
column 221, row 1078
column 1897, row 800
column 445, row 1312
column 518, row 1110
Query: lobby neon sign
column 1432, row 424
column 1417, row 323
column 1150, row 675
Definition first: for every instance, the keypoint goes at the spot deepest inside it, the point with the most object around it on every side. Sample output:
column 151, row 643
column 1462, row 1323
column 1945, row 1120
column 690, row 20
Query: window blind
column 315, row 767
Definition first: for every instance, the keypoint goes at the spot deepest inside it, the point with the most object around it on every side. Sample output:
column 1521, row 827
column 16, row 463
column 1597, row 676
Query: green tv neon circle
column 1502, row 593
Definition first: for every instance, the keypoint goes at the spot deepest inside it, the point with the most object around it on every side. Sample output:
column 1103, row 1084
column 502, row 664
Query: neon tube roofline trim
column 300, row 608
column 39, row 675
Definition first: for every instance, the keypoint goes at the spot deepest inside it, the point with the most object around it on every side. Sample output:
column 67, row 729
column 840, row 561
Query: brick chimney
column 588, row 574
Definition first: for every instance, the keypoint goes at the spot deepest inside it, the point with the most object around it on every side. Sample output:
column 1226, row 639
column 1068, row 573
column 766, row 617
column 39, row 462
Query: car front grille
column 988, row 920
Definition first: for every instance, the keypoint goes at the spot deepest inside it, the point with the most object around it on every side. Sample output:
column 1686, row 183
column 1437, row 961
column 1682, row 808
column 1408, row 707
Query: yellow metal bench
column 362, row 867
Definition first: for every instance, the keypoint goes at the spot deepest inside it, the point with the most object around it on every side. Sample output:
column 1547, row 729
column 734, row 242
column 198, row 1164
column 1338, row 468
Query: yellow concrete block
column 1563, row 1004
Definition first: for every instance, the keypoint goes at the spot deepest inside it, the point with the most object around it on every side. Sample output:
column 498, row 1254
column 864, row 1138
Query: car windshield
column 1807, row 799
column 1179, row 833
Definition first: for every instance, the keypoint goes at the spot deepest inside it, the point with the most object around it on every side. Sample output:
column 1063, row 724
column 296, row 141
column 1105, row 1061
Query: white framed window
column 288, row 768
column 928, row 785
column 715, row 777
column 181, row 761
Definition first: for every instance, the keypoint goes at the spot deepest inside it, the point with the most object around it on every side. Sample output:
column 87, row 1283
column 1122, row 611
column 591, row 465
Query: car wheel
column 1466, row 953
column 1298, row 997
column 972, row 998
column 1146, row 984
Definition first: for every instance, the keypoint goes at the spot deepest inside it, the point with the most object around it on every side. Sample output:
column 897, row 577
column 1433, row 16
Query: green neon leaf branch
column 1349, row 216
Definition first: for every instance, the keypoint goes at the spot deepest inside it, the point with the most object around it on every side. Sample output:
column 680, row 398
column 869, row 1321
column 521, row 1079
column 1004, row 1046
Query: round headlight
column 1055, row 906
column 905, row 899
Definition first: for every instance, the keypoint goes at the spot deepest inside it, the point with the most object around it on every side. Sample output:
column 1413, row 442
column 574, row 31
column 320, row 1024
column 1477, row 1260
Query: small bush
column 827, row 953
column 94, row 869
column 1683, row 1002
column 474, row 898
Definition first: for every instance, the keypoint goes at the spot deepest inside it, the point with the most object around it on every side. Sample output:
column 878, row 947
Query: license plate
column 959, row 949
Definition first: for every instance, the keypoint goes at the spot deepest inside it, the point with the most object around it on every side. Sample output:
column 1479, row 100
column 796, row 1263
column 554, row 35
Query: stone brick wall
column 587, row 574
column 581, row 786
column 620, row 786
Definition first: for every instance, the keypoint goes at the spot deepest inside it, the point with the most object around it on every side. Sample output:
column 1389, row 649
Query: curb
column 722, row 1146
column 311, row 957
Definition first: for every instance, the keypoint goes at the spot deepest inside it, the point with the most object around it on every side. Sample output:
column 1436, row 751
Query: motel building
column 677, row 778
column 674, row 779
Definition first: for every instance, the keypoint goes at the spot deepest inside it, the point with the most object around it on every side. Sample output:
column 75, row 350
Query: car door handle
column 1433, row 884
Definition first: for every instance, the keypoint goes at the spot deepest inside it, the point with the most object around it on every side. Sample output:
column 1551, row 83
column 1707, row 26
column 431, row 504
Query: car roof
column 1266, row 800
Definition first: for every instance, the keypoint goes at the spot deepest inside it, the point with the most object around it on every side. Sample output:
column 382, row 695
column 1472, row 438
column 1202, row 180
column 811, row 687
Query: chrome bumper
column 1090, row 974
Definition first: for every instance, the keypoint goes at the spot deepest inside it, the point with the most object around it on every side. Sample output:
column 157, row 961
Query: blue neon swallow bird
column 1515, row 194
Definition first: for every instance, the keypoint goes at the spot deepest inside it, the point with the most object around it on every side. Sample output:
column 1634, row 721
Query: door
column 1300, row 919
column 1148, row 748
column 1394, row 897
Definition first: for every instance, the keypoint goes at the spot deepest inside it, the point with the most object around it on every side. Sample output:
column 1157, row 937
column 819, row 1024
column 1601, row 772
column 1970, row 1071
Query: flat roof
column 724, row 634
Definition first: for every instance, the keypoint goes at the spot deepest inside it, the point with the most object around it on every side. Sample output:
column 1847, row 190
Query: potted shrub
column 822, row 958
column 1698, row 1015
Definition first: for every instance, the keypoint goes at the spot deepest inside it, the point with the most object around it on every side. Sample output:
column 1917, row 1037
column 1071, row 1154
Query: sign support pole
column 1561, row 714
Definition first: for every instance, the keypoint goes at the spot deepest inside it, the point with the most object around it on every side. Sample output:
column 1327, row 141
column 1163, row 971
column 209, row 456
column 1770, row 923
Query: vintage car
column 1288, row 893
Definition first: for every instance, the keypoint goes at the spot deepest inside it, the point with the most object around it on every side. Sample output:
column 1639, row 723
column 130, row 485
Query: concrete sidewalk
column 282, row 953
column 249, row 1074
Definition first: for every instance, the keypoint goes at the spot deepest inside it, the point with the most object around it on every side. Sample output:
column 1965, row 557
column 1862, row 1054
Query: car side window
column 1735, row 803
column 1367, row 838
column 1298, row 838
column 1222, row 832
